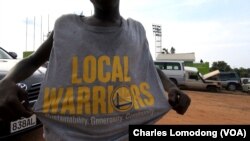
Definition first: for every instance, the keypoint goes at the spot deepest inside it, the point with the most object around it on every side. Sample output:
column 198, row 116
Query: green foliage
column 220, row 65
column 27, row 53
column 202, row 67
column 224, row 67
column 243, row 72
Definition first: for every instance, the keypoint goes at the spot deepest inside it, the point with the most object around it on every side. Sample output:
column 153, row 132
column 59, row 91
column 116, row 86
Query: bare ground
column 206, row 108
column 213, row 108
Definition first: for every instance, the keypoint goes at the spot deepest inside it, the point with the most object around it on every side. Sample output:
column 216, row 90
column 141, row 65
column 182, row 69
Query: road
column 206, row 108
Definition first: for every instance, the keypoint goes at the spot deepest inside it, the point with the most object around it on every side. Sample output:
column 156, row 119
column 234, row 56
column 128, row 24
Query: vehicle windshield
column 4, row 55
column 200, row 74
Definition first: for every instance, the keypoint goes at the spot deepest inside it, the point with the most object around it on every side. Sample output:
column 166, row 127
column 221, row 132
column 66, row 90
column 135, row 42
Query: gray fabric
column 99, row 81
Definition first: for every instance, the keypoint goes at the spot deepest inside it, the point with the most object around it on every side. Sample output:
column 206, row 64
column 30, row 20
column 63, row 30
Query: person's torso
column 99, row 81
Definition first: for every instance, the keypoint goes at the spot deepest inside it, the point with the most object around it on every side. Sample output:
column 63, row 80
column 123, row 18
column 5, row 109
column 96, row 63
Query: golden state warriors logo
column 122, row 99
column 100, row 95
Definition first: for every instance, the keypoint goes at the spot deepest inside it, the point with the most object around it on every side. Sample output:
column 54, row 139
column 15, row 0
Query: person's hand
column 13, row 102
column 178, row 100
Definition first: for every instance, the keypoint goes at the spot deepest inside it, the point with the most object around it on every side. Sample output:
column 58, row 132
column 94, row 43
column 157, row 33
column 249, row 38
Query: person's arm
column 11, row 95
column 176, row 98
column 167, row 83
column 29, row 65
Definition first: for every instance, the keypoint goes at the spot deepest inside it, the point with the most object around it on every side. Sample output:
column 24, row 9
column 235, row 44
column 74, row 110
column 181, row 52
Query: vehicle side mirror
column 13, row 54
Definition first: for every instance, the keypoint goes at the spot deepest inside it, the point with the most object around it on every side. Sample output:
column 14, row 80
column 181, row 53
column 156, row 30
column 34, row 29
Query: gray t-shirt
column 99, row 81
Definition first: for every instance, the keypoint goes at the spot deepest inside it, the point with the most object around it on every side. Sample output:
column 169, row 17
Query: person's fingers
column 183, row 104
column 10, row 102
column 23, row 97
column 20, row 110
column 172, row 99
column 20, row 105
column 22, row 94
column 179, row 101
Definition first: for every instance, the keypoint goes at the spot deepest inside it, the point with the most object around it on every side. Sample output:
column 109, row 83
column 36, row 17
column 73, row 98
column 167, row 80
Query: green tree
column 243, row 72
column 165, row 51
column 220, row 65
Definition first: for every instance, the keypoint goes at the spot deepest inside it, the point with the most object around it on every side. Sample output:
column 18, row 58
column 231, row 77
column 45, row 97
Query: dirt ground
column 206, row 108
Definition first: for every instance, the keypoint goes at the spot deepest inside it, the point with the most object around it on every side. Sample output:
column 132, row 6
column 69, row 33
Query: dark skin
column 10, row 94
column 106, row 14
column 176, row 98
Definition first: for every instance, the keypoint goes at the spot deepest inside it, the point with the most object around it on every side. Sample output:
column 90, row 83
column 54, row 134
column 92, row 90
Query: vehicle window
column 182, row 65
column 173, row 66
column 176, row 68
column 193, row 76
column 160, row 65
column 231, row 75
column 4, row 55
column 228, row 76
column 168, row 65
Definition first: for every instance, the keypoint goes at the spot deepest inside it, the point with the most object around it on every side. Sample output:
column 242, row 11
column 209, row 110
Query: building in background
column 188, row 58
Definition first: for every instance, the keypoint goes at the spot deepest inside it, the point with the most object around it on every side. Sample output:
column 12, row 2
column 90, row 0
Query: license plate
column 22, row 124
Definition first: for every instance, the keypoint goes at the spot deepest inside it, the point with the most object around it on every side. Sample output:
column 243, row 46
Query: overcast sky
column 216, row 30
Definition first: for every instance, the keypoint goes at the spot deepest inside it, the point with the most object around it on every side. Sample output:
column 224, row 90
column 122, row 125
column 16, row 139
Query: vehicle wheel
column 231, row 87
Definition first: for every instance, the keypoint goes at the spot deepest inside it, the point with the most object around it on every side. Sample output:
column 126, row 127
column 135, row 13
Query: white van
column 174, row 70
